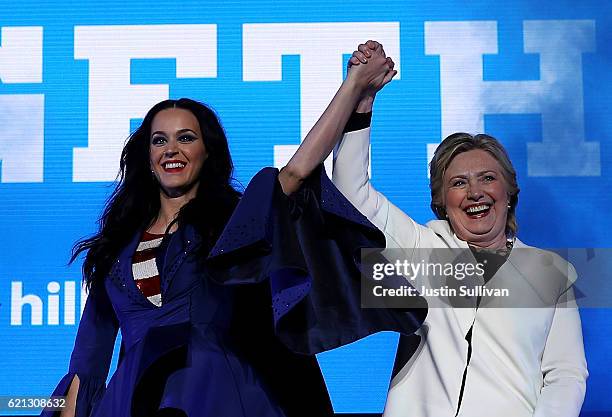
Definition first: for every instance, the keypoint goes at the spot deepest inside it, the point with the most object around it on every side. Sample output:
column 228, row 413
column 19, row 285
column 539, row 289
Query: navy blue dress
column 237, row 332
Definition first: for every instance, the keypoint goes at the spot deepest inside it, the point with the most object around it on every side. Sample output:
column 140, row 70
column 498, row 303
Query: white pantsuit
column 524, row 361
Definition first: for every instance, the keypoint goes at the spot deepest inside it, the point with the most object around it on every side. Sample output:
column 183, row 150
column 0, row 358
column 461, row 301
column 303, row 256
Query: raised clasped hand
column 371, row 68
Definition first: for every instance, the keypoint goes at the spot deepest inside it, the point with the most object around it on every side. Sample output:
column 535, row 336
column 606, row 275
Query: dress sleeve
column 350, row 175
column 564, row 365
column 307, row 247
column 92, row 353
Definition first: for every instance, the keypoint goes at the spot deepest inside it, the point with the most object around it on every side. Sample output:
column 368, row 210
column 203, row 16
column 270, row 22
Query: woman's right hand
column 374, row 78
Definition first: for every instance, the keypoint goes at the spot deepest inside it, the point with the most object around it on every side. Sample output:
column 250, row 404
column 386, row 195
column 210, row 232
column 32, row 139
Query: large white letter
column 113, row 100
column 557, row 96
column 18, row 301
column 21, row 115
column 69, row 302
column 320, row 47
column 21, row 55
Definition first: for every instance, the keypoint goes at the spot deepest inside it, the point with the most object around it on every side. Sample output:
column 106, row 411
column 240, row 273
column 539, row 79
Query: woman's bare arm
column 326, row 132
column 71, row 398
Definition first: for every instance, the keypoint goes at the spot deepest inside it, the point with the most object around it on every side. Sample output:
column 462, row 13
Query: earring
column 509, row 205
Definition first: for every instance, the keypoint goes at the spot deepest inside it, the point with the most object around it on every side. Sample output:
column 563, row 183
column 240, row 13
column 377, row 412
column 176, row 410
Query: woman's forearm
column 71, row 397
column 366, row 104
column 361, row 82
column 322, row 138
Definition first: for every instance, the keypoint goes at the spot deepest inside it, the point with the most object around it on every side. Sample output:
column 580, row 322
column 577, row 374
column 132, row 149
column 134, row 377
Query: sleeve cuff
column 358, row 121
column 90, row 391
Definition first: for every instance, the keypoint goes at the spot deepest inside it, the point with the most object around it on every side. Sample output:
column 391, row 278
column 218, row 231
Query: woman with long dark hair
column 148, row 184
column 176, row 240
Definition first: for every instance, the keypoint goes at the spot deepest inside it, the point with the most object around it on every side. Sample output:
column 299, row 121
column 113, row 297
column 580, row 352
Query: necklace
column 510, row 243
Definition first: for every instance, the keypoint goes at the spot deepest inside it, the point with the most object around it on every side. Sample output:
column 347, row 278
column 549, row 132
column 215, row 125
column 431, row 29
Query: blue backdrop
column 77, row 76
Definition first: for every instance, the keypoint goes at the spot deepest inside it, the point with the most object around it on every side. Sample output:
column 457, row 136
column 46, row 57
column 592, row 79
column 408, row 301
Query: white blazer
column 524, row 362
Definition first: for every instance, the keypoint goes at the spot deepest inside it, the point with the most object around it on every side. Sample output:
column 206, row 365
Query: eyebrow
column 478, row 174
column 159, row 132
column 186, row 130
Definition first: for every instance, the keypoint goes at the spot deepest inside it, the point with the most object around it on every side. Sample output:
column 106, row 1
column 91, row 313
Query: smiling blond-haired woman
column 510, row 361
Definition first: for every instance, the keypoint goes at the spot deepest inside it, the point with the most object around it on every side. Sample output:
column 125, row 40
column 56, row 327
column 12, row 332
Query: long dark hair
column 135, row 202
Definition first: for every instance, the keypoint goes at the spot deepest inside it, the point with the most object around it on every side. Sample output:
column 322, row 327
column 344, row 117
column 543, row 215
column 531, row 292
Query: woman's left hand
column 371, row 68
column 361, row 56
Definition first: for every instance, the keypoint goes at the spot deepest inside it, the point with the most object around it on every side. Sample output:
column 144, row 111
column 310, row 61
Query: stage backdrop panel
column 76, row 78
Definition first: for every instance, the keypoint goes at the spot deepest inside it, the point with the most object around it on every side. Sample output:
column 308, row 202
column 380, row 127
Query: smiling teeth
column 475, row 209
column 174, row 165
